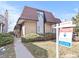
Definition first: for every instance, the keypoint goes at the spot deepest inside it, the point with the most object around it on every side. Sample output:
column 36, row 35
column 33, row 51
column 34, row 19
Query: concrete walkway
column 20, row 50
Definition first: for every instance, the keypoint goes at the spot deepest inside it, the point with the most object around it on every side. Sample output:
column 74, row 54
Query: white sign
column 64, row 33
column 66, row 24
column 65, row 37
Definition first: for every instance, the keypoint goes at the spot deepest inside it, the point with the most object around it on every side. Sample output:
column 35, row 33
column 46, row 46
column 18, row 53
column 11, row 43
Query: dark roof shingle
column 31, row 14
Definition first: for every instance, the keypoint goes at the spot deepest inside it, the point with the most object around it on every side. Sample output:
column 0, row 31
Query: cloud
column 76, row 10
column 13, row 14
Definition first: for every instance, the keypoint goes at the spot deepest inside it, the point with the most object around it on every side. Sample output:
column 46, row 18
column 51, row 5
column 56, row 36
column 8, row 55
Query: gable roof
column 30, row 13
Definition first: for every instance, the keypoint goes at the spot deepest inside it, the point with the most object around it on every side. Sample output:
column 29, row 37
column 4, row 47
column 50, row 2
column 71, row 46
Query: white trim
column 65, row 26
column 57, row 50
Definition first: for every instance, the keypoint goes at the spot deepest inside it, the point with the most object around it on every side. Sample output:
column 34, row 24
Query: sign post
column 64, row 37
column 57, row 37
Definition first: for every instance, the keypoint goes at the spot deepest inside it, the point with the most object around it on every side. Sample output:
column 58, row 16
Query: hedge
column 5, row 38
column 38, row 37
column 31, row 37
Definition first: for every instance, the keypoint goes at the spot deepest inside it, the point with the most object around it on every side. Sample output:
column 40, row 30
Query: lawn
column 9, row 52
column 72, row 52
column 47, row 49
column 42, row 49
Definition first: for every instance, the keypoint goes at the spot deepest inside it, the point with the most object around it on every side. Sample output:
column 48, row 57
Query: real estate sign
column 65, row 34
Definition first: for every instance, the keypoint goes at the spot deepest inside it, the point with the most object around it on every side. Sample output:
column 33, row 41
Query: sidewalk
column 20, row 50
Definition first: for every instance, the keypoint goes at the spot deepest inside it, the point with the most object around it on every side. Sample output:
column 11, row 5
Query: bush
column 5, row 38
column 37, row 37
column 50, row 36
column 12, row 33
column 26, row 40
column 32, row 37
column 5, row 35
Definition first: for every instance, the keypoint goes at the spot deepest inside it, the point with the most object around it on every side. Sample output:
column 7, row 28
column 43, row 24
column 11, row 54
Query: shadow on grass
column 36, row 51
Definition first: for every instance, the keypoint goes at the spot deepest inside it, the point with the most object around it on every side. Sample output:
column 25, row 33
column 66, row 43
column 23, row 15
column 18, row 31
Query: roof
column 17, row 26
column 30, row 13
column 58, row 20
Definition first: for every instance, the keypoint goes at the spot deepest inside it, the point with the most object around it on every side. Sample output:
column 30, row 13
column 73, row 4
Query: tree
column 76, row 21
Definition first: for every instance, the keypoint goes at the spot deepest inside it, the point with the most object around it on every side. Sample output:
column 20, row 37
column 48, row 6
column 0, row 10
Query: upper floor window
column 40, row 22
column 40, row 14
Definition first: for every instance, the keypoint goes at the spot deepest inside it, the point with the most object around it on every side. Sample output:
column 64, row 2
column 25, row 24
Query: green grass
column 42, row 49
column 36, row 51
column 50, row 46
column 9, row 52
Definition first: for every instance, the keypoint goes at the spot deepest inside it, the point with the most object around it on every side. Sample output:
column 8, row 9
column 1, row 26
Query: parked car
column 74, row 36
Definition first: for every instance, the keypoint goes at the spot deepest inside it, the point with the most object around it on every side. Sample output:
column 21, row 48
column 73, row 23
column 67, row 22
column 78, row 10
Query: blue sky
column 60, row 9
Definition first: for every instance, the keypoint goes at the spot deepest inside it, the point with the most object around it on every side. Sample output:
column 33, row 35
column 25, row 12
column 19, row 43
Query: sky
column 63, row 10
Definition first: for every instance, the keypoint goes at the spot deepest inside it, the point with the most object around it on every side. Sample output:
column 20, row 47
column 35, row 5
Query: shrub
column 26, row 40
column 5, row 38
column 50, row 36
column 38, row 37
column 32, row 37
column 12, row 33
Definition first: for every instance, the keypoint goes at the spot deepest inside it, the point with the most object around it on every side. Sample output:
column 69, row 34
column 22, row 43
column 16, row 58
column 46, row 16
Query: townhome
column 34, row 20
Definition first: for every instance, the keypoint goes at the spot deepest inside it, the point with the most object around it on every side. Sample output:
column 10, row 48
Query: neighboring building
column 4, row 23
column 33, row 20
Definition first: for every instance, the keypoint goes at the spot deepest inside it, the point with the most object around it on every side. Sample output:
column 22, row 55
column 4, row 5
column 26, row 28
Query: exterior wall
column 48, row 27
column 31, row 27
column 28, row 27
column 17, row 32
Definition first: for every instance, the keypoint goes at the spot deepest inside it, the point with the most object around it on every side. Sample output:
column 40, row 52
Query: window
column 40, row 22
column 53, row 29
